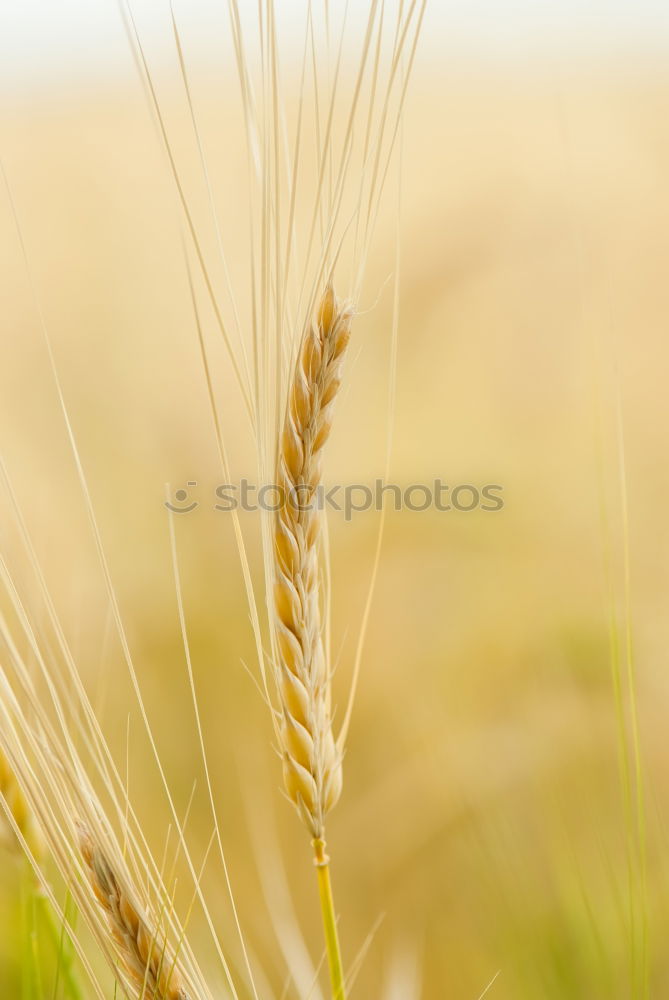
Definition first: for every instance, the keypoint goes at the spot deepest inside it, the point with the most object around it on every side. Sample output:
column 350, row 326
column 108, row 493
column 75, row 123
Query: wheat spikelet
column 19, row 809
column 311, row 760
column 145, row 957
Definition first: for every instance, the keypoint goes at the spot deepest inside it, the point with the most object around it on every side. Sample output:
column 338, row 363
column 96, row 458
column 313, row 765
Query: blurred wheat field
column 484, row 816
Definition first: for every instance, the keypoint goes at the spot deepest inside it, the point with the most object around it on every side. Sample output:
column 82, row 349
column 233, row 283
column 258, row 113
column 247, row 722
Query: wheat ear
column 312, row 764
column 144, row 955
column 18, row 808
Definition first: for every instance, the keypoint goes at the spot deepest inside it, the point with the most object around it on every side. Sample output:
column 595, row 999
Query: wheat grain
column 311, row 760
column 143, row 952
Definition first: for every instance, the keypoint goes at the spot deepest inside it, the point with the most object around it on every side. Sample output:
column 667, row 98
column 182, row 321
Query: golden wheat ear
column 18, row 809
column 142, row 950
column 311, row 760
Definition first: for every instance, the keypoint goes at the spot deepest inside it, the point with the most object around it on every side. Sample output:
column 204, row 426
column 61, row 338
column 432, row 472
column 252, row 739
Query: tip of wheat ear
column 142, row 951
column 311, row 760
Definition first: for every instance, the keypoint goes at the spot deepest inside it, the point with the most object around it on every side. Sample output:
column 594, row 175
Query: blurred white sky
column 69, row 38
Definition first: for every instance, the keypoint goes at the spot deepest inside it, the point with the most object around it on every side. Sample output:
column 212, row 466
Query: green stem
column 62, row 945
column 32, row 969
column 322, row 863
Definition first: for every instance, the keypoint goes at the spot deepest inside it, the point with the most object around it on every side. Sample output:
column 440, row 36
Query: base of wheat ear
column 311, row 760
column 143, row 953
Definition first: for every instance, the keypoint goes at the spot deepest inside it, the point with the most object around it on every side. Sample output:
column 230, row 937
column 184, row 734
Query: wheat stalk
column 312, row 764
column 146, row 958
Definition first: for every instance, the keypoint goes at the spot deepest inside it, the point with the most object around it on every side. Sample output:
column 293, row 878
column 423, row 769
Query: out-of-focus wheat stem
column 11, row 792
column 62, row 947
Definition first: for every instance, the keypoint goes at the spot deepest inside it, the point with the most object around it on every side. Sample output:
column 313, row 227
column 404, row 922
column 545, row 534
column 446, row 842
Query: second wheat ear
column 144, row 954
column 312, row 765
column 19, row 810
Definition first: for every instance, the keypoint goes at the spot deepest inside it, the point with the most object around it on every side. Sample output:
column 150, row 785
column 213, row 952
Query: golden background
column 484, row 815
